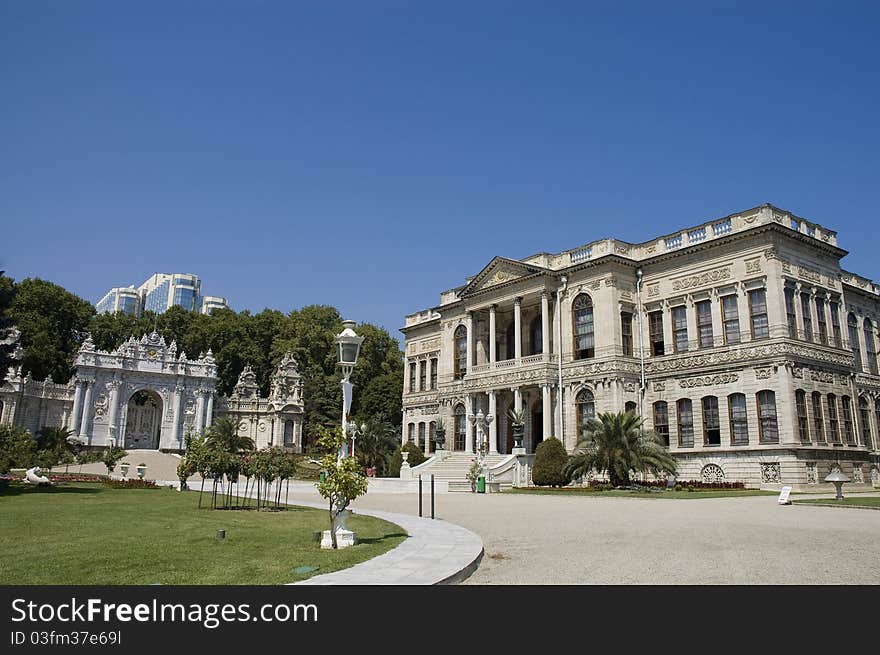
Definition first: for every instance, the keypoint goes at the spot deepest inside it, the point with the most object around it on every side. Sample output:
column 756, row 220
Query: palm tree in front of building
column 223, row 434
column 617, row 444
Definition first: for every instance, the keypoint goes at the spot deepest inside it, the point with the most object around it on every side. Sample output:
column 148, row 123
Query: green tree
column 223, row 435
column 550, row 461
column 376, row 443
column 617, row 445
column 52, row 322
column 17, row 448
column 8, row 340
column 111, row 457
column 382, row 395
column 343, row 480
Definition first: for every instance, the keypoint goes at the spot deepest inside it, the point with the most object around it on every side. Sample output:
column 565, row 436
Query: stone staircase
column 453, row 468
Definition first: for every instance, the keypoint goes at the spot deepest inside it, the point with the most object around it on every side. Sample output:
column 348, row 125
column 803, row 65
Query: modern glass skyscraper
column 160, row 292
column 120, row 299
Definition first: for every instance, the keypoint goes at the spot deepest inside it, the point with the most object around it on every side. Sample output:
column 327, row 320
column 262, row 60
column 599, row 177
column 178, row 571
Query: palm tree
column 223, row 434
column 376, row 443
column 617, row 444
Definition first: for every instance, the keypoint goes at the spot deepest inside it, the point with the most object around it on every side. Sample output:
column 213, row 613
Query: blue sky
column 370, row 154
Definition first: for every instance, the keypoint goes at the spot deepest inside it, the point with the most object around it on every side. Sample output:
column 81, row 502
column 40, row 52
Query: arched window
column 461, row 339
column 536, row 335
column 630, row 407
column 459, row 427
column 432, row 430
column 685, row 411
column 769, row 430
column 411, row 432
column 711, row 421
column 870, row 352
column 818, row 421
column 800, row 401
column 853, row 325
column 846, row 410
column 582, row 319
column 739, row 419
column 586, row 410
column 288, row 433
column 865, row 419
column 661, row 421
column 422, row 436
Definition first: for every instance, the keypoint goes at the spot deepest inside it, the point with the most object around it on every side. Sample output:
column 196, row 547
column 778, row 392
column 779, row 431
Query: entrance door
column 143, row 420
column 537, row 429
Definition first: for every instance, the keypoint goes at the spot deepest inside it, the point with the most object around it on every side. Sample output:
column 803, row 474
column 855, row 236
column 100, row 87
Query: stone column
column 517, row 327
column 86, row 410
column 798, row 313
column 469, row 434
column 547, row 411
column 692, row 326
column 492, row 337
column 470, row 341
column 493, row 426
column 77, row 407
column 717, row 322
column 200, row 410
column 178, row 401
column 668, row 340
column 114, row 410
column 743, row 314
column 209, row 414
column 545, row 324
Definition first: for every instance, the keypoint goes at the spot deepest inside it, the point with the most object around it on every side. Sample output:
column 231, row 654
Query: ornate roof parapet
column 246, row 388
column 286, row 383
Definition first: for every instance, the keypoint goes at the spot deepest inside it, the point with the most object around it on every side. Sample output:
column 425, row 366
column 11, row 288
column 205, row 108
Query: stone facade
column 146, row 395
column 741, row 340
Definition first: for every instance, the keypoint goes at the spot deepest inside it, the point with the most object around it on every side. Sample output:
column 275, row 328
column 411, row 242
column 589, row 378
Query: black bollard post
column 432, row 495
column 420, row 496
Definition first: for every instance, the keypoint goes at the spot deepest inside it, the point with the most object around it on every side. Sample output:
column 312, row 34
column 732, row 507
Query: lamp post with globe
column 482, row 423
column 348, row 347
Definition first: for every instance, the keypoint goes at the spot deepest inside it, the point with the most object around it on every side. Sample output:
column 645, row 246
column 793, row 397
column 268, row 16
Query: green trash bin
column 481, row 484
column 323, row 476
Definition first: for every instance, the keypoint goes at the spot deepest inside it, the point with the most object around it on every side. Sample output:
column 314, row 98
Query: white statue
column 35, row 476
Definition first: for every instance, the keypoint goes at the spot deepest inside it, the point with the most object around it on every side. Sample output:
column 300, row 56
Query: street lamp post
column 349, row 346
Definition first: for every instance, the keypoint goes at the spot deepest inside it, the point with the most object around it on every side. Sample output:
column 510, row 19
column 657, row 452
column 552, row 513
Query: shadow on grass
column 377, row 540
column 20, row 490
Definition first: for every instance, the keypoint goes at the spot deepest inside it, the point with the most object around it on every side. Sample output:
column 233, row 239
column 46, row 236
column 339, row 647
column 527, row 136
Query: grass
column 869, row 501
column 82, row 533
column 670, row 495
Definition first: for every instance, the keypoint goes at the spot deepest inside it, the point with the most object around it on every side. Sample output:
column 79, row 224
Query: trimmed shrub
column 416, row 455
column 550, row 460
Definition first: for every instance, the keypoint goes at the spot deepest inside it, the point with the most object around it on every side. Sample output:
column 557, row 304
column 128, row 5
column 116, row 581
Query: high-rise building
column 160, row 292
column 120, row 299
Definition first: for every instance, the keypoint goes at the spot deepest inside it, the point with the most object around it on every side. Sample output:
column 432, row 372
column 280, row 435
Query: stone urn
column 405, row 456
column 124, row 469
column 439, row 438
column 141, row 470
column 518, row 430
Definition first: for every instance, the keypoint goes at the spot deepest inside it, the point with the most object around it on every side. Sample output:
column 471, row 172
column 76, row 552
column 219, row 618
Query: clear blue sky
column 370, row 154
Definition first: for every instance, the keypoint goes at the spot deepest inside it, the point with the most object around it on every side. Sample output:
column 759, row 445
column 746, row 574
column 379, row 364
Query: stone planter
column 124, row 469
column 518, row 436
column 141, row 471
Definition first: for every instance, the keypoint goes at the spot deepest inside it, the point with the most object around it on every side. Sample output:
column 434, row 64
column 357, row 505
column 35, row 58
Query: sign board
column 783, row 496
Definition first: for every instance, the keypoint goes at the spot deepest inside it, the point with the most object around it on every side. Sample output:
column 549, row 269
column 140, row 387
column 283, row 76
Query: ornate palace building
column 146, row 395
column 741, row 341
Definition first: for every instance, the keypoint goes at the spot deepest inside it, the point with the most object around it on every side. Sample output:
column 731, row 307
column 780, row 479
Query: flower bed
column 131, row 484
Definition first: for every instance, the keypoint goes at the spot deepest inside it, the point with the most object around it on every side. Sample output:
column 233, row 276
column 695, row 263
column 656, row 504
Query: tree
column 52, row 322
column 376, row 443
column 17, row 448
column 111, row 457
column 550, row 461
column 223, row 435
column 55, row 446
column 382, row 395
column 616, row 444
column 8, row 337
column 343, row 480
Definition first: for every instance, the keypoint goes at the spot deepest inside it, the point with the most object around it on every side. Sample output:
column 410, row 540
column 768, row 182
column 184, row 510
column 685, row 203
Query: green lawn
column 618, row 493
column 83, row 533
column 870, row 501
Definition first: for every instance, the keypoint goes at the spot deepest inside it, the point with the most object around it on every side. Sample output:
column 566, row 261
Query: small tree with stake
column 343, row 479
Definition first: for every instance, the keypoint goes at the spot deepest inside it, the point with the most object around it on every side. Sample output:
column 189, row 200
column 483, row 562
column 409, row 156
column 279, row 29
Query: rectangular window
column 767, row 417
column 412, row 377
column 865, row 419
column 846, row 410
column 832, row 418
column 758, row 310
column 655, row 328
column 626, row 331
column 661, row 421
column 730, row 317
column 422, row 436
column 680, row 328
column 820, row 320
column 711, row 422
column 704, row 323
column 835, row 324
column 739, row 420
column 685, row 424
column 433, row 374
column 807, row 316
column 818, row 422
column 789, row 312
column 423, row 375
column 800, row 398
